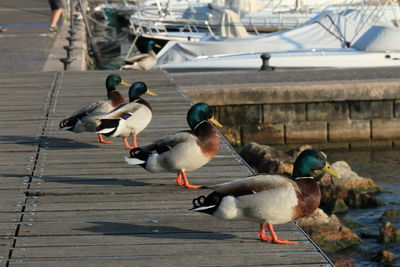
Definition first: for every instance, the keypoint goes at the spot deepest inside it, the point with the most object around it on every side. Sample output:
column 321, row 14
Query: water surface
column 383, row 166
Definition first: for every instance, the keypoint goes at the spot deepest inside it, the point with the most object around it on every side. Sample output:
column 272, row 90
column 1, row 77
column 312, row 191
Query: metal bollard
column 71, row 39
column 67, row 61
column 265, row 62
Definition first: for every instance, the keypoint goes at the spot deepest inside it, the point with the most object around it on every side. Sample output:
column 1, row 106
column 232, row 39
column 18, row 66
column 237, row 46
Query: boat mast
column 298, row 5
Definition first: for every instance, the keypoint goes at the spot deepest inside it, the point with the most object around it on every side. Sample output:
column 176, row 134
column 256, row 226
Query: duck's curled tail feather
column 68, row 124
column 137, row 156
column 207, row 204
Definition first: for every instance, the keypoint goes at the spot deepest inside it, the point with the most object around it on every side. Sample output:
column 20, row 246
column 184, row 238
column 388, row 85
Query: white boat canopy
column 330, row 31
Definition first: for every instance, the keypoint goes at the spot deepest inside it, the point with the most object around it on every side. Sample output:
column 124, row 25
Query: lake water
column 383, row 166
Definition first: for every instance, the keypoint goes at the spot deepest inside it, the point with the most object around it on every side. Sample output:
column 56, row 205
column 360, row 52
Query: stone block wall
column 336, row 107
column 311, row 122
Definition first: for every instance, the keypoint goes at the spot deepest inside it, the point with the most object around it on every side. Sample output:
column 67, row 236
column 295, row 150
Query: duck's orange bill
column 123, row 83
column 215, row 122
column 150, row 93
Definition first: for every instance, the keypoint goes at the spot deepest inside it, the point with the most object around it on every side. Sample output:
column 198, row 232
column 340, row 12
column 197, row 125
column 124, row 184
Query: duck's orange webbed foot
column 284, row 242
column 178, row 180
column 186, row 182
column 127, row 145
column 275, row 239
column 100, row 139
column 262, row 235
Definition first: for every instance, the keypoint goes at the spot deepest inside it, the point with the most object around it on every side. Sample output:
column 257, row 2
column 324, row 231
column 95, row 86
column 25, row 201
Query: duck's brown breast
column 208, row 139
column 116, row 98
column 308, row 196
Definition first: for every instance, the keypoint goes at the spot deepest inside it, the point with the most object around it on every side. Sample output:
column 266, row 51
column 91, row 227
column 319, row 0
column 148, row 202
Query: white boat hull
column 345, row 58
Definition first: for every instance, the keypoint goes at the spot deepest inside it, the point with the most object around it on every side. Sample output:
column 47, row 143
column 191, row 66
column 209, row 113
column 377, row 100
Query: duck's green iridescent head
column 113, row 80
column 137, row 89
column 312, row 163
column 151, row 44
column 200, row 112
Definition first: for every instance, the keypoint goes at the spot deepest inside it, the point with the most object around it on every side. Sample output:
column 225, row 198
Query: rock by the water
column 389, row 233
column 319, row 218
column 328, row 232
column 266, row 159
column 350, row 179
column 352, row 191
column 351, row 224
column 384, row 256
column 340, row 206
column 392, row 215
column 360, row 200
column 296, row 151
column 341, row 260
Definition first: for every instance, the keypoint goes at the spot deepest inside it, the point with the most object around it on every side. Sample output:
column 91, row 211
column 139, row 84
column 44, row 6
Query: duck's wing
column 253, row 184
column 122, row 110
column 86, row 111
column 137, row 58
column 167, row 142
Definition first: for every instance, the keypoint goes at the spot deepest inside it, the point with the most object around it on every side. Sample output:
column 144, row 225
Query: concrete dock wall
column 318, row 122
column 326, row 112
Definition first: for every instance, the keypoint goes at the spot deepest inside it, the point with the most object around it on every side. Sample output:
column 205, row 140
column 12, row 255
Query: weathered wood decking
column 66, row 200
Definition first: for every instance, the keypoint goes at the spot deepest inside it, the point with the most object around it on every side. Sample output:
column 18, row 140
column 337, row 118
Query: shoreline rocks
column 328, row 232
column 266, row 159
column 385, row 257
column 389, row 233
column 392, row 215
column 352, row 191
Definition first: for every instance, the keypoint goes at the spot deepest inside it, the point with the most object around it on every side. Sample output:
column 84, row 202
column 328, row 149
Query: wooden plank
column 5, row 245
column 199, row 259
column 179, row 224
column 7, row 217
column 130, row 263
column 154, row 238
column 160, row 250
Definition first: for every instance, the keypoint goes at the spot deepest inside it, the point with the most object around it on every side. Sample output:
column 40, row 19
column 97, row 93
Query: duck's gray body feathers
column 87, row 118
column 174, row 153
column 261, row 198
column 133, row 118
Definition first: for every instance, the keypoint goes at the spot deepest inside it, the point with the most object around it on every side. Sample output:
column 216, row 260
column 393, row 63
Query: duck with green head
column 184, row 151
column 86, row 119
column 144, row 61
column 270, row 199
column 128, row 119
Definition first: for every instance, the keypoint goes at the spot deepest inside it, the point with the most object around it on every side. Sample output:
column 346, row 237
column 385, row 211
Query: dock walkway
column 67, row 200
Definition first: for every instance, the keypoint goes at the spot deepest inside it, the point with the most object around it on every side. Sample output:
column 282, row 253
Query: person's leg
column 57, row 8
column 55, row 16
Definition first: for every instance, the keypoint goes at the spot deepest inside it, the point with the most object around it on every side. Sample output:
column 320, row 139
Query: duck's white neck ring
column 199, row 124
column 299, row 178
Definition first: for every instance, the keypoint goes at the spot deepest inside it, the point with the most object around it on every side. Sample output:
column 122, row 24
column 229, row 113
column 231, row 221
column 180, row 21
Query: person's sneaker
column 53, row 29
column 2, row 29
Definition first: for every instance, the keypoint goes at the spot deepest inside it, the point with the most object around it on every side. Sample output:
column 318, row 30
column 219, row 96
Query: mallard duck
column 184, row 151
column 143, row 61
column 86, row 119
column 128, row 119
column 270, row 199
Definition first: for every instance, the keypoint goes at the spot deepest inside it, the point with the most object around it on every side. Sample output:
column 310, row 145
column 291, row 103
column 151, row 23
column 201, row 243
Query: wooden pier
column 66, row 200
